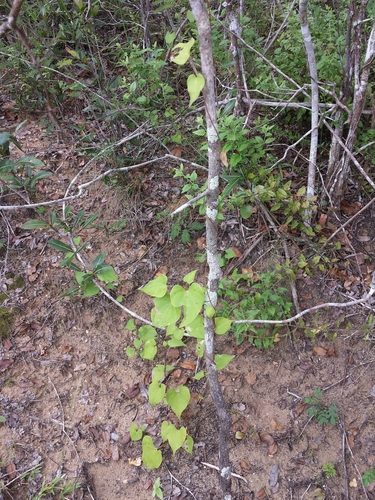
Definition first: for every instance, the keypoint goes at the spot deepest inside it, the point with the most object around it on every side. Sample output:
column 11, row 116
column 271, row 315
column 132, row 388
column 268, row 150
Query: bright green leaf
column 130, row 351
column 130, row 325
column 222, row 360
column 90, row 290
column 147, row 332
column 210, row 311
column 149, row 349
column 183, row 55
column 170, row 38
column 189, row 278
column 135, row 433
column 109, row 275
column 177, row 296
column 194, row 85
column 175, row 437
column 151, row 457
column 178, row 399
column 198, row 376
column 196, row 328
column 156, row 287
column 189, row 444
column 222, row 325
column 156, row 393
column 194, row 300
column 164, row 313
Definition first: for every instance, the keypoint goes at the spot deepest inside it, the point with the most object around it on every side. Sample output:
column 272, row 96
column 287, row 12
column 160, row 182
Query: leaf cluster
column 324, row 414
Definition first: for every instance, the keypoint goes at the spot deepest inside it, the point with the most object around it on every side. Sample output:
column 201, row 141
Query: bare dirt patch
column 69, row 393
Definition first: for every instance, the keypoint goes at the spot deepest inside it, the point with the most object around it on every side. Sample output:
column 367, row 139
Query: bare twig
column 182, row 485
column 217, row 468
column 354, row 462
column 189, row 203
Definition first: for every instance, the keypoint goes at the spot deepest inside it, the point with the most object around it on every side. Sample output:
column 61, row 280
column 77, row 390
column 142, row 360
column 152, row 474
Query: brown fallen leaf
column 275, row 426
column 173, row 354
column 268, row 439
column 5, row 363
column 244, row 464
column 237, row 252
column 261, row 494
column 147, row 484
column 177, row 151
column 7, row 344
column 201, row 243
column 133, row 391
column 352, row 432
column 224, row 158
column 331, row 351
column 11, row 470
column 188, row 365
column 251, row 378
column 319, row 351
column 64, row 349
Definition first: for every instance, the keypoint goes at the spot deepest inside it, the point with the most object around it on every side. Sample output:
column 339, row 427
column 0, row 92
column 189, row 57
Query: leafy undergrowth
column 75, row 408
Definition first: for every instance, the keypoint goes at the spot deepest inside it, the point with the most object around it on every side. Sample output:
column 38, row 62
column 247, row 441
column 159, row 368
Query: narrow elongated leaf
column 59, row 246
column 34, row 224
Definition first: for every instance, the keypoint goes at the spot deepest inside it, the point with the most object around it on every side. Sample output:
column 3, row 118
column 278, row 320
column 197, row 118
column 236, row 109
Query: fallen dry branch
column 364, row 299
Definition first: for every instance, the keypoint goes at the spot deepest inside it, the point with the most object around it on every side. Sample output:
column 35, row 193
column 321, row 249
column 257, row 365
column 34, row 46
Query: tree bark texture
column 340, row 170
column 214, row 274
column 309, row 46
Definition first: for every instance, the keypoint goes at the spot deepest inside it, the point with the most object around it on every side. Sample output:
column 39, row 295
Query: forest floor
column 69, row 393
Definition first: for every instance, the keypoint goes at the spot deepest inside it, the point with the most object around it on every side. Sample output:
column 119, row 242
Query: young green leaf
column 108, row 275
column 130, row 325
column 164, row 314
column 156, row 393
column 149, row 349
column 183, row 55
column 130, row 351
column 194, row 85
column 222, row 360
column 222, row 325
column 151, row 457
column 135, row 432
column 189, row 278
column 90, row 290
column 194, row 300
column 156, row 287
column 177, row 296
column 178, row 399
column 147, row 332
column 175, row 437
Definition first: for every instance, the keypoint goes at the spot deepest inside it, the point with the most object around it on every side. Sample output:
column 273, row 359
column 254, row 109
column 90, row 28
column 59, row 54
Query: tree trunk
column 214, row 274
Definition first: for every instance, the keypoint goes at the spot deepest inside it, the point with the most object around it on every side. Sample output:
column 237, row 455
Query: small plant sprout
column 323, row 414
column 329, row 469
column 156, row 490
